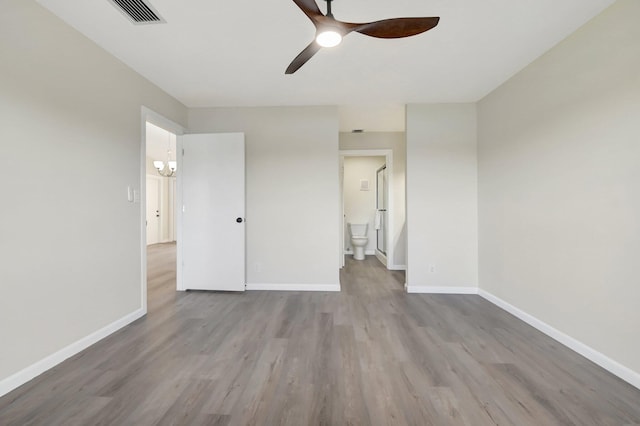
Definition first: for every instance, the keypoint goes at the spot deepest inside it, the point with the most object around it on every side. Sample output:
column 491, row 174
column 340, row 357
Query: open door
column 212, row 236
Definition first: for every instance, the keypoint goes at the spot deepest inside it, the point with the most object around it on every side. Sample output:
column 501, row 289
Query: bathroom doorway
column 366, row 215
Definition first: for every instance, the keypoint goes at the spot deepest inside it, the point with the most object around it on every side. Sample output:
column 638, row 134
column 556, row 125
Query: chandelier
column 168, row 169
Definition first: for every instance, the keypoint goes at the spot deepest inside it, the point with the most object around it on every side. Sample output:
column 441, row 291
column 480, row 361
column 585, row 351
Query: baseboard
column 441, row 290
column 23, row 376
column 293, row 287
column 614, row 367
column 397, row 267
column 366, row 252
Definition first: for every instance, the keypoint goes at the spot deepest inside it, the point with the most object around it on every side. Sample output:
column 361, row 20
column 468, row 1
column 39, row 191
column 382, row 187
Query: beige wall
column 559, row 187
column 442, row 200
column 292, row 190
column 70, row 246
column 396, row 142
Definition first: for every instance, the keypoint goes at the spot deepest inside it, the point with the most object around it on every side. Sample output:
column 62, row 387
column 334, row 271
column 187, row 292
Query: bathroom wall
column 396, row 141
column 360, row 206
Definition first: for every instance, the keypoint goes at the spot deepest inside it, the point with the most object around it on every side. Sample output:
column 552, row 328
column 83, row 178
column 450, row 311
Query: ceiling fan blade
column 397, row 27
column 303, row 57
column 310, row 8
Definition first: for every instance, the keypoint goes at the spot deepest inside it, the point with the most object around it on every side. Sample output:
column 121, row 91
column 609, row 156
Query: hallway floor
column 370, row 354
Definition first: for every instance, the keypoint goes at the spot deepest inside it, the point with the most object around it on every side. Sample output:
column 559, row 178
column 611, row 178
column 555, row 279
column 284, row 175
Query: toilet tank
column 358, row 229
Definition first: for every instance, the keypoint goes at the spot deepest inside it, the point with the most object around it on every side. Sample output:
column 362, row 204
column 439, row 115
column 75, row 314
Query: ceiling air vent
column 138, row 11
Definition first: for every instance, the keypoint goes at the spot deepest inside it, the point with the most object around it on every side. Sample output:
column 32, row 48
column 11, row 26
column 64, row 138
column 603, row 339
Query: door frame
column 388, row 154
column 147, row 114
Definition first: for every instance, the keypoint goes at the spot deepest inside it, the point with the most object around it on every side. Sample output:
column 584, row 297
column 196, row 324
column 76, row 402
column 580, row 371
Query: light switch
column 129, row 194
column 136, row 195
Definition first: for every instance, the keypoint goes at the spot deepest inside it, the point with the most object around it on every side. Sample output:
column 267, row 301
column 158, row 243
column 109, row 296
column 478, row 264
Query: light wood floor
column 368, row 355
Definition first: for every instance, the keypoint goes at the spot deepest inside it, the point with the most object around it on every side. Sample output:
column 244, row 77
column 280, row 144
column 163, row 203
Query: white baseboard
column 23, row 376
column 293, row 287
column 397, row 267
column 441, row 290
column 614, row 367
column 366, row 252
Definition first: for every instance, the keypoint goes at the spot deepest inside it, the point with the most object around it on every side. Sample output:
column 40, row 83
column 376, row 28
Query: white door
column 153, row 210
column 212, row 242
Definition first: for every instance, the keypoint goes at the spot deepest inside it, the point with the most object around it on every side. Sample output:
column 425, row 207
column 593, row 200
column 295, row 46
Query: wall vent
column 138, row 11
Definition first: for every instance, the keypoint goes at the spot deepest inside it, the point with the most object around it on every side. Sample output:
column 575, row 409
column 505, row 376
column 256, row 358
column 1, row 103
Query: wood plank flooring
column 370, row 355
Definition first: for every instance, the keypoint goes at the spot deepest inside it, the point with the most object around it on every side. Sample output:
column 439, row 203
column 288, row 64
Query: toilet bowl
column 359, row 239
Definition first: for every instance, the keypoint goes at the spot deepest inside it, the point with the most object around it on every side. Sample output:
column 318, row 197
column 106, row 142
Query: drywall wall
column 70, row 242
column 292, row 191
column 396, row 141
column 359, row 205
column 442, row 198
column 559, row 187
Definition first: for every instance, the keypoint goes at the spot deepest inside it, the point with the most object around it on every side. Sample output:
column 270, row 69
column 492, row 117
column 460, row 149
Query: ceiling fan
column 329, row 31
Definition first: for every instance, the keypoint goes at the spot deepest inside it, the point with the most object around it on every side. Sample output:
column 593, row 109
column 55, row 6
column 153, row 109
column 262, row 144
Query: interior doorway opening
column 160, row 179
column 366, row 200
column 159, row 194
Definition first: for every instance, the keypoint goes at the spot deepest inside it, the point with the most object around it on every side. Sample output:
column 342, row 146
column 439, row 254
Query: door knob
column 239, row 220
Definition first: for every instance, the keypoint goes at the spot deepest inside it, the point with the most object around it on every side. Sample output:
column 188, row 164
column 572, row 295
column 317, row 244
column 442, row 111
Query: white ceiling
column 234, row 52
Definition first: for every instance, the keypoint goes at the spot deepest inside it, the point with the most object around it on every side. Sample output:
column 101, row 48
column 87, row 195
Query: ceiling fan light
column 329, row 38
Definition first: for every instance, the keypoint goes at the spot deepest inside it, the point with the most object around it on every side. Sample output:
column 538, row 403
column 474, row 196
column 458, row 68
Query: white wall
column 442, row 198
column 395, row 141
column 559, row 187
column 70, row 242
column 360, row 206
column 292, row 191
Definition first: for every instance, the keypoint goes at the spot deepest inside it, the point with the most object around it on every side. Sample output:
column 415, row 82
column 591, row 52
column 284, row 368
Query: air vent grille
column 138, row 11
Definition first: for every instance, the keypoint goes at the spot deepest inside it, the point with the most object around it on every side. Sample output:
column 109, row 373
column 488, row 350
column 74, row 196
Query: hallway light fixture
column 168, row 169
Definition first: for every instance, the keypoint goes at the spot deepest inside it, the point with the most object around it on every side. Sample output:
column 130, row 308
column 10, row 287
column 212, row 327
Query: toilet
column 359, row 239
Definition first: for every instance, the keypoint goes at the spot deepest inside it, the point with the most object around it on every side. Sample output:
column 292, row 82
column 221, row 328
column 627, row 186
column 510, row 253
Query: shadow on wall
column 400, row 246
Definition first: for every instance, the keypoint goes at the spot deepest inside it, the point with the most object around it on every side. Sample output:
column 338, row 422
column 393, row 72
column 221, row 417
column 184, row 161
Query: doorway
column 365, row 202
column 160, row 179
column 158, row 195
